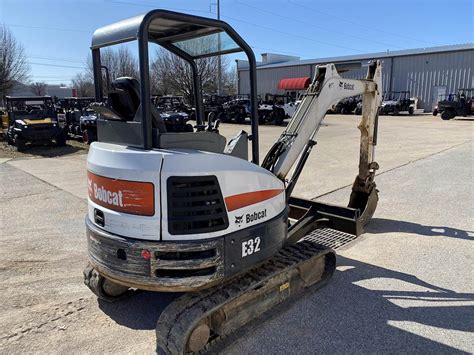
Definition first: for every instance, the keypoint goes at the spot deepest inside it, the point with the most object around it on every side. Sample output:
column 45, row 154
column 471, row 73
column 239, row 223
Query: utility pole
column 219, row 62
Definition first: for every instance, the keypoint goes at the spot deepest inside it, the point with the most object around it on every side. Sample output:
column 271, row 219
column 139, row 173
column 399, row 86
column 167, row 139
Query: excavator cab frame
column 178, row 33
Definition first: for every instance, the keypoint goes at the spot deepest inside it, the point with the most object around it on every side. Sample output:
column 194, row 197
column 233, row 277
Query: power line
column 293, row 34
column 246, row 22
column 315, row 25
column 60, row 80
column 57, row 65
column 192, row 10
column 48, row 28
column 282, row 52
column 359, row 24
column 154, row 7
column 56, row 59
column 50, row 77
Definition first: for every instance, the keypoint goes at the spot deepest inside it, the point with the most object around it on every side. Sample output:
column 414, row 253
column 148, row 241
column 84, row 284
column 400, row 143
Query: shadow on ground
column 384, row 225
column 343, row 317
column 44, row 151
column 140, row 311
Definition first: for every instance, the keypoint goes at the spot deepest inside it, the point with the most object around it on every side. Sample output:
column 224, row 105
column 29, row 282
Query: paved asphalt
column 405, row 286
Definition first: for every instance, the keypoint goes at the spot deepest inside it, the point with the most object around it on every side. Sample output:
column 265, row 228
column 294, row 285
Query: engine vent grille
column 195, row 205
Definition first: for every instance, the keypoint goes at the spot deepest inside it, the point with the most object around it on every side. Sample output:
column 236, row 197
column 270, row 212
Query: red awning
column 294, row 83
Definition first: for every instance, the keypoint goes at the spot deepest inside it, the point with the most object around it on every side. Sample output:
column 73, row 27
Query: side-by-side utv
column 175, row 211
column 214, row 103
column 452, row 105
column 236, row 110
column 32, row 119
column 276, row 108
column 397, row 101
column 79, row 119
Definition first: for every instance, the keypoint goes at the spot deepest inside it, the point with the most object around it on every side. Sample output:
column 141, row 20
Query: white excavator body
column 130, row 188
column 173, row 208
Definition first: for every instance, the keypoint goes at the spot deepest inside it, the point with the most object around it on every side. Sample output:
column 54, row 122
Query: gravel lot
column 405, row 286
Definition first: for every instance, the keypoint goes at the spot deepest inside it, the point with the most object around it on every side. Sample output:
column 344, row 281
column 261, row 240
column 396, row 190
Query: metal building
column 426, row 72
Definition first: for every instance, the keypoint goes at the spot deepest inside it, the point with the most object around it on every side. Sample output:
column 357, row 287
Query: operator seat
column 124, row 99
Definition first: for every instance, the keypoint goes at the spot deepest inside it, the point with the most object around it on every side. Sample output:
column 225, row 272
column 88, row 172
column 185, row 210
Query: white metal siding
column 418, row 73
column 421, row 73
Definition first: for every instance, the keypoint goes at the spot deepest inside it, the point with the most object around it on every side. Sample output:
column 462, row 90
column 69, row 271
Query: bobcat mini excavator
column 179, row 211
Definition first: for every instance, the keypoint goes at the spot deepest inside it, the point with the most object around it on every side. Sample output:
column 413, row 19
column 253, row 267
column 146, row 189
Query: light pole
column 219, row 63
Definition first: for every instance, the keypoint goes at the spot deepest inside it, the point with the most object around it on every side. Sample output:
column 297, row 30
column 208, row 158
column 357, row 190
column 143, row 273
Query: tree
column 13, row 64
column 38, row 88
column 172, row 75
column 119, row 62
column 83, row 84
column 229, row 81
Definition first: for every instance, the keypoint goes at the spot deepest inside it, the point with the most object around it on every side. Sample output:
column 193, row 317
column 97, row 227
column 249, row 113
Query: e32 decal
column 250, row 246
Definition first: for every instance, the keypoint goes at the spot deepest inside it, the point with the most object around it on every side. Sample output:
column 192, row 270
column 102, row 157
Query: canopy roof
column 197, row 36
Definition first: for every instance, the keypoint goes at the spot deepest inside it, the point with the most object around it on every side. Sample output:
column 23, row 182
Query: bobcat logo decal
column 239, row 220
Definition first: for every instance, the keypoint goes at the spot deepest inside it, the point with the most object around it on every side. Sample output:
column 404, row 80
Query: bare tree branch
column 170, row 74
column 119, row 62
column 84, row 85
column 13, row 64
column 38, row 88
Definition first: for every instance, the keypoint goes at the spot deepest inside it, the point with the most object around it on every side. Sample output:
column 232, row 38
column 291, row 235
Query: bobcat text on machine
column 177, row 211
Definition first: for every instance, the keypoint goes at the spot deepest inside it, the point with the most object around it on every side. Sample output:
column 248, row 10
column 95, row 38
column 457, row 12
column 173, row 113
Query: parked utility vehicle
column 347, row 106
column 236, row 110
column 452, row 105
column 397, row 101
column 78, row 120
column 170, row 103
column 276, row 108
column 32, row 119
column 214, row 103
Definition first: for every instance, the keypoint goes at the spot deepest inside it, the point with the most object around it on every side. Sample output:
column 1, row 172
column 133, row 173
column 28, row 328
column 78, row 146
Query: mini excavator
column 174, row 210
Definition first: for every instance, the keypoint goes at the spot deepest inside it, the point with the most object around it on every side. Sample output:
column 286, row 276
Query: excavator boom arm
column 326, row 90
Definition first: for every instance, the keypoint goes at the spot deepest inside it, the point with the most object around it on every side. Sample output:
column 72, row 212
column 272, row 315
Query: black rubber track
column 182, row 315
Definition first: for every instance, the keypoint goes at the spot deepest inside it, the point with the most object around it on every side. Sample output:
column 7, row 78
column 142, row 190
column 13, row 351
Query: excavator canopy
column 197, row 36
column 187, row 36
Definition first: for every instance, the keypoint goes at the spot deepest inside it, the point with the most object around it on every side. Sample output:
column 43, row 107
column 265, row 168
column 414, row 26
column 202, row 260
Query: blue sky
column 56, row 34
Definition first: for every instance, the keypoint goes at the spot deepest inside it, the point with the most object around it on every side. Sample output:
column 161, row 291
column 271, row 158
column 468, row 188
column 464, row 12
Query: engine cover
column 173, row 195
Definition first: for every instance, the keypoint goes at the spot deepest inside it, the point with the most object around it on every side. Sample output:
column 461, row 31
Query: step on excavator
column 180, row 211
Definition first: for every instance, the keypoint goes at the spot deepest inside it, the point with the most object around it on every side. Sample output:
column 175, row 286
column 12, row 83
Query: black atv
column 237, row 109
column 214, row 104
column 452, row 105
column 174, row 112
column 78, row 120
column 170, row 103
column 347, row 106
column 275, row 108
column 32, row 119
